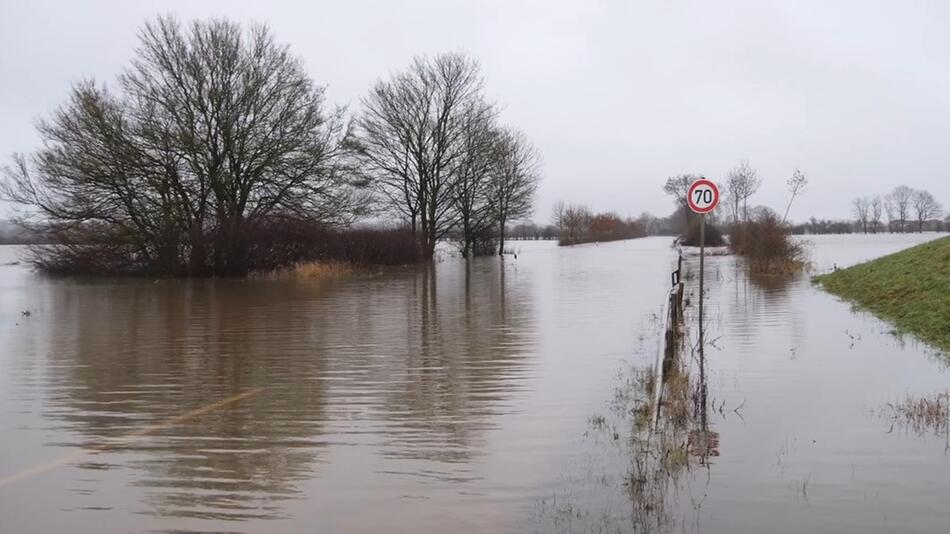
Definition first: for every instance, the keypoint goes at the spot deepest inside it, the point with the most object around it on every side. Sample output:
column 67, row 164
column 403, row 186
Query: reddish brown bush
column 602, row 227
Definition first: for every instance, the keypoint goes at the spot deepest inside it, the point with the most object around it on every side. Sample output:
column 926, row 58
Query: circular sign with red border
column 703, row 196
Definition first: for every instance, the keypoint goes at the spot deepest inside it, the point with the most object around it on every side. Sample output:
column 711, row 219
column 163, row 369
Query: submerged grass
column 910, row 288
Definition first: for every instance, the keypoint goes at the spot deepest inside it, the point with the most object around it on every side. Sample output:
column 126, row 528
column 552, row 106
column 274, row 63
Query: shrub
column 266, row 245
column 767, row 246
column 279, row 243
column 485, row 245
column 691, row 237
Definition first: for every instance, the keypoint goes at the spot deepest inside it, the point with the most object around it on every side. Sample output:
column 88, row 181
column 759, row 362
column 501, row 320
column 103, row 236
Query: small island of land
column 910, row 288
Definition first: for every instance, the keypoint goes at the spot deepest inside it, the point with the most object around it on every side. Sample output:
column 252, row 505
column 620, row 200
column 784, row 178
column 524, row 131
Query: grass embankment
column 910, row 288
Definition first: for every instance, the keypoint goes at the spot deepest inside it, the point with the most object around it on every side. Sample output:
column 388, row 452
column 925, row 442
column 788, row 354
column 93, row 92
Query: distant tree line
column 642, row 225
column 900, row 210
column 216, row 141
column 578, row 224
column 822, row 226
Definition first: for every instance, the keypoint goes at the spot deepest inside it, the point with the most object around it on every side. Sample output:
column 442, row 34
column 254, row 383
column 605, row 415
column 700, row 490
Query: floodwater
column 461, row 397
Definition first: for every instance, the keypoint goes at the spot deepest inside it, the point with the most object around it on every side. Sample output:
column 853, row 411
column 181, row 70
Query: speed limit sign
column 703, row 196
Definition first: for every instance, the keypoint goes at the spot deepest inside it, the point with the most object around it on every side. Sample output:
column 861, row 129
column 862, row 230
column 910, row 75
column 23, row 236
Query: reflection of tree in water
column 754, row 300
column 774, row 285
column 461, row 358
column 133, row 355
column 417, row 359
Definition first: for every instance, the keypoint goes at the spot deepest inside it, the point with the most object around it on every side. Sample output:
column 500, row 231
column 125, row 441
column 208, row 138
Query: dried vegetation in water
column 312, row 270
column 921, row 414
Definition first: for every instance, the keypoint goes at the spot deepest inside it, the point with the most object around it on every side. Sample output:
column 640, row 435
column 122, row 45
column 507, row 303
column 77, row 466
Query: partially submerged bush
column 266, row 245
column 134, row 184
column 713, row 237
column 483, row 242
column 278, row 243
column 767, row 246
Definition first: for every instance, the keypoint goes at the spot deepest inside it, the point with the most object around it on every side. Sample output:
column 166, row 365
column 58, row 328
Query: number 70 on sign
column 703, row 196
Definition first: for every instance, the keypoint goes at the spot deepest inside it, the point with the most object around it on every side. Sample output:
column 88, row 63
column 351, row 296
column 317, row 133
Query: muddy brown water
column 462, row 397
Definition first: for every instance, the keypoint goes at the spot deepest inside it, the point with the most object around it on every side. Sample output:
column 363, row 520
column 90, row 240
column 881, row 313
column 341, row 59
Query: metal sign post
column 702, row 269
column 702, row 197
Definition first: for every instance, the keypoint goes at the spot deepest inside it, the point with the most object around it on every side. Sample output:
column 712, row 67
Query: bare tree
column 796, row 186
column 742, row 183
column 514, row 180
column 472, row 198
column 412, row 138
column 861, row 209
column 557, row 215
column 216, row 128
column 890, row 212
column 877, row 207
column 899, row 201
column 925, row 207
column 576, row 220
column 678, row 188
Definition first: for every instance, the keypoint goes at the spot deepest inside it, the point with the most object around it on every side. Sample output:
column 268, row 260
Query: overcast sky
column 616, row 95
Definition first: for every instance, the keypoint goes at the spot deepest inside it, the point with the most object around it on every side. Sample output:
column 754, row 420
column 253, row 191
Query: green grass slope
column 910, row 288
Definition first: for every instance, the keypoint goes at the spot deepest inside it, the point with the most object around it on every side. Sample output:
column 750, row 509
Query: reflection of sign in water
column 703, row 196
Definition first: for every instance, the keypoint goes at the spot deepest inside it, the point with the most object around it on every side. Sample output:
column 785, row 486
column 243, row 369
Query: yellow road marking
column 144, row 431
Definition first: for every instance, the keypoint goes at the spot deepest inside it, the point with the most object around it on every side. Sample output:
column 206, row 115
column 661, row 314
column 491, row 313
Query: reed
column 319, row 270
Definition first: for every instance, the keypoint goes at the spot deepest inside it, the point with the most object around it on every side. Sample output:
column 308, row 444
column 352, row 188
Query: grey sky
column 617, row 95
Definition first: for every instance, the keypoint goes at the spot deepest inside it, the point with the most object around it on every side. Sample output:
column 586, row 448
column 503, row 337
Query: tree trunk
column 501, row 238
column 430, row 241
column 197, row 260
column 466, row 236
column 789, row 207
